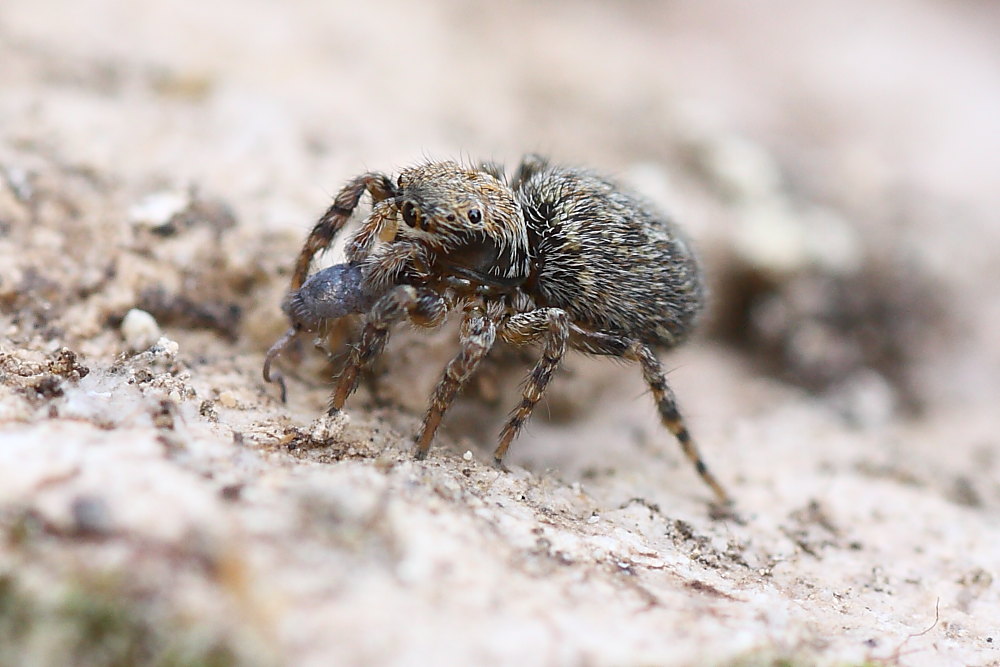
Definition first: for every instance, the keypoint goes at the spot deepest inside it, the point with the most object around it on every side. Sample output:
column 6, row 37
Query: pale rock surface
column 157, row 499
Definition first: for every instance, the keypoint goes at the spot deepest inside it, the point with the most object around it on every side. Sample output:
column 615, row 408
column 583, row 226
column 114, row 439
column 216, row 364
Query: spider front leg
column 333, row 220
column 423, row 307
column 272, row 354
column 552, row 326
column 477, row 338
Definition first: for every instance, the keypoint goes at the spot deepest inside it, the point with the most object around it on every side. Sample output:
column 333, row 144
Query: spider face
column 457, row 221
column 465, row 217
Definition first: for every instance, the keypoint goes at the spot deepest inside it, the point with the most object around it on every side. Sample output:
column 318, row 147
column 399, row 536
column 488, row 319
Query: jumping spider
column 556, row 255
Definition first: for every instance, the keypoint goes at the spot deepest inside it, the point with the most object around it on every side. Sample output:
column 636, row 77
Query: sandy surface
column 837, row 165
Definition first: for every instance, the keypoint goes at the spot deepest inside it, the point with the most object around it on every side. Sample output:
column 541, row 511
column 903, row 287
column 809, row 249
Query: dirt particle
column 964, row 492
column 708, row 589
column 207, row 410
column 164, row 414
column 64, row 362
column 91, row 516
column 45, row 387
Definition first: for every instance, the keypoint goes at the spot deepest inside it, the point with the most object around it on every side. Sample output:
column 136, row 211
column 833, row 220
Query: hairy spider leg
column 476, row 339
column 551, row 325
column 421, row 306
column 666, row 403
column 333, row 220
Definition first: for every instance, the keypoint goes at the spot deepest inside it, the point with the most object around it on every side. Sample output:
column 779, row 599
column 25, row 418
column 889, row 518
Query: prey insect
column 556, row 256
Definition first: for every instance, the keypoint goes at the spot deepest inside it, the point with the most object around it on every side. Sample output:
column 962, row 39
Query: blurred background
column 837, row 162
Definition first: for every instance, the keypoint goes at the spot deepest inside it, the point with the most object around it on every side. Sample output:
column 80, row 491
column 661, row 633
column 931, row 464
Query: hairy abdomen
column 614, row 263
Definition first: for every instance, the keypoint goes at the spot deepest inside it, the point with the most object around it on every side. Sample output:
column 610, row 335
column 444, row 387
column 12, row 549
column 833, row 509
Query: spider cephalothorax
column 441, row 219
column 559, row 256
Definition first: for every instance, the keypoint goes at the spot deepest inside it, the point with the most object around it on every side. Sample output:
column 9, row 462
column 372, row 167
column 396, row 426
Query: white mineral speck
column 140, row 329
column 158, row 208
column 228, row 399
column 168, row 347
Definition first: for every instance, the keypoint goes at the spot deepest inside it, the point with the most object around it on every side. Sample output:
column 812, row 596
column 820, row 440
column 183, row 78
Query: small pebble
column 140, row 330
column 327, row 427
column 228, row 399
column 158, row 209
column 167, row 347
column 467, row 456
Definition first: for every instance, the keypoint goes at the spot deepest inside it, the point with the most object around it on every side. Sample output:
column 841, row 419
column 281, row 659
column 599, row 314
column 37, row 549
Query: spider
column 556, row 255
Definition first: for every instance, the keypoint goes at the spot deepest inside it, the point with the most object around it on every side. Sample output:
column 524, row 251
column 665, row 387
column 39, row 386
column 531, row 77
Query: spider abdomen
column 608, row 258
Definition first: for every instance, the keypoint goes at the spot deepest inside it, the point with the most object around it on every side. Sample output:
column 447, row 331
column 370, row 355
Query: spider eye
column 411, row 215
column 475, row 216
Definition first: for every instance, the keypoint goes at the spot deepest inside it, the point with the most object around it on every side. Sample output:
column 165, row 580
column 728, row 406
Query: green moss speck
column 97, row 624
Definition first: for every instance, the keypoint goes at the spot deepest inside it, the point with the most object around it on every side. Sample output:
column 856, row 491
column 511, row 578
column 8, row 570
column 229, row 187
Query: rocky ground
column 835, row 162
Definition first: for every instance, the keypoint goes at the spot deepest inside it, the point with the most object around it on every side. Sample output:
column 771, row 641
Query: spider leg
column 666, row 402
column 552, row 326
column 423, row 307
column 477, row 337
column 333, row 220
column 530, row 165
column 272, row 354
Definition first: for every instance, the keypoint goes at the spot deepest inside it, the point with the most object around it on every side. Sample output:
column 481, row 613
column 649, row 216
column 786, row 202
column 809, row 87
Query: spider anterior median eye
column 475, row 215
column 411, row 215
